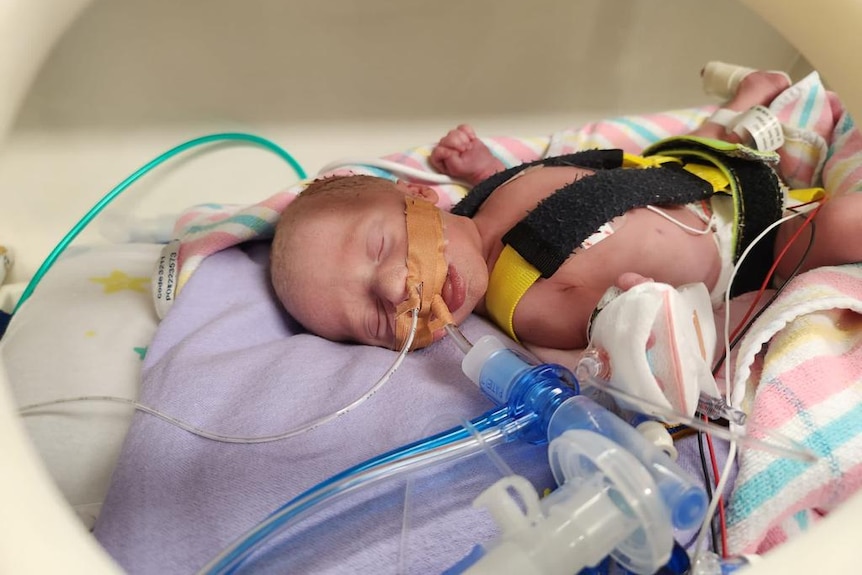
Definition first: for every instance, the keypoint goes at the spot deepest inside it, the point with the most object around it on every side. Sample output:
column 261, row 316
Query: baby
column 341, row 253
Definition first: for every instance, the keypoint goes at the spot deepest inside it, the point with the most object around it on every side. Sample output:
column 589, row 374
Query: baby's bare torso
column 554, row 312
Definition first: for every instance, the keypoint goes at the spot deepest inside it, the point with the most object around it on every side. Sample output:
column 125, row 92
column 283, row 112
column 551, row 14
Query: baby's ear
column 420, row 191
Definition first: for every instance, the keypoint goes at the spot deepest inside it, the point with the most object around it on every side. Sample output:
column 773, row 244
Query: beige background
column 327, row 79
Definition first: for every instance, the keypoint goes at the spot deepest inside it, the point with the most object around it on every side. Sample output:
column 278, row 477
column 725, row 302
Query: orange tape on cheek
column 426, row 274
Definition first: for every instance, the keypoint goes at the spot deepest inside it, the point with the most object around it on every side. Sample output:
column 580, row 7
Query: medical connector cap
column 502, row 372
column 509, row 378
column 606, row 505
column 476, row 358
column 708, row 563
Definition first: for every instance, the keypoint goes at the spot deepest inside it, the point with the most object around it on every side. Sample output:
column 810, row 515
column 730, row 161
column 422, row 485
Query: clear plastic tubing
column 462, row 342
column 685, row 499
column 551, row 393
column 494, row 427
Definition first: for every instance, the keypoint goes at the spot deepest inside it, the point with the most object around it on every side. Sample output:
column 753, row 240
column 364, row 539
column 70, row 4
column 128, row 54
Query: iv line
column 727, row 371
column 733, row 445
column 790, row 448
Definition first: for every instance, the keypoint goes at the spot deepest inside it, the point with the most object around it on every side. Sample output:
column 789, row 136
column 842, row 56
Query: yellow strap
column 510, row 279
column 634, row 161
column 512, row 275
column 806, row 195
column 711, row 174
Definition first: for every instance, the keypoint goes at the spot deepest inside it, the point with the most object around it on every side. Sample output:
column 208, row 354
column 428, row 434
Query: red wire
column 721, row 511
column 771, row 271
column 722, row 520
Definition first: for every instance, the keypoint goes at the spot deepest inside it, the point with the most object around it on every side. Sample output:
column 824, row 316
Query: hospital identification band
column 164, row 284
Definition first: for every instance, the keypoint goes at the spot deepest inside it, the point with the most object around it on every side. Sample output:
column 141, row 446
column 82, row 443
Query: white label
column 763, row 126
column 165, row 282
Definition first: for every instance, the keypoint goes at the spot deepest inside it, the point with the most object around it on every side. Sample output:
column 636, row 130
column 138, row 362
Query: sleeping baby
column 535, row 247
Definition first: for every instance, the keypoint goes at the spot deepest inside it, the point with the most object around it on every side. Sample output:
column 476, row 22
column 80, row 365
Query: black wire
column 771, row 299
column 720, row 362
column 708, row 484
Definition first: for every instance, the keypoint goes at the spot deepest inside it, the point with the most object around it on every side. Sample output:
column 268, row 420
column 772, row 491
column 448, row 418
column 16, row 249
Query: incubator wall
column 91, row 89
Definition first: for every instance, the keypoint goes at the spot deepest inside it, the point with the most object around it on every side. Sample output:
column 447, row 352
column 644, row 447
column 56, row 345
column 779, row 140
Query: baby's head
column 339, row 259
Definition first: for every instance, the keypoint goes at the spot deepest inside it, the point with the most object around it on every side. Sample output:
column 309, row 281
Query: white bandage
column 660, row 342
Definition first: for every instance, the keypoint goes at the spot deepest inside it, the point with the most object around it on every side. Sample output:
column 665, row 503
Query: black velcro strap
column 563, row 220
column 757, row 202
column 759, row 205
column 591, row 159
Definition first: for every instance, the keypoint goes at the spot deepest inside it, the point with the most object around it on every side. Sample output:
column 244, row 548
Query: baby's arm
column 568, row 358
column 460, row 154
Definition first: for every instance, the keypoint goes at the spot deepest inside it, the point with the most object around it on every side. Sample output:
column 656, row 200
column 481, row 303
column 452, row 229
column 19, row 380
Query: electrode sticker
column 762, row 126
column 165, row 281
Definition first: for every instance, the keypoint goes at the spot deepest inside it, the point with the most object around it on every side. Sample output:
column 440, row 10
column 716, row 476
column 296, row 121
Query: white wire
column 686, row 227
column 771, row 442
column 394, row 167
column 717, row 493
column 244, row 440
column 727, row 364
column 728, row 370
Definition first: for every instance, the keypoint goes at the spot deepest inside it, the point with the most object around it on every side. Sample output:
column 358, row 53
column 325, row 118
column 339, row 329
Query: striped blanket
column 799, row 369
column 806, row 386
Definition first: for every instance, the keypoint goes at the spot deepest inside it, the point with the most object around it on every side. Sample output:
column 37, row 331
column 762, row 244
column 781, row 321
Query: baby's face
column 349, row 267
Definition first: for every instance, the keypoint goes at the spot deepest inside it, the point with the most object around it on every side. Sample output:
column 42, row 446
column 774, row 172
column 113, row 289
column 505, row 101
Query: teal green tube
column 121, row 187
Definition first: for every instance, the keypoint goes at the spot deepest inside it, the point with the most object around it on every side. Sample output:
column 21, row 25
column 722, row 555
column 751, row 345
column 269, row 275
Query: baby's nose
column 393, row 285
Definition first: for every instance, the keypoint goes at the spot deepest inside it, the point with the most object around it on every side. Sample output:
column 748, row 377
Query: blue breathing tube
column 494, row 427
column 538, row 403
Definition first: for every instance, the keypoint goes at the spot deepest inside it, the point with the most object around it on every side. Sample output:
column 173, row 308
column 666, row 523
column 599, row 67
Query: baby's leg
column 757, row 89
column 837, row 236
column 798, row 121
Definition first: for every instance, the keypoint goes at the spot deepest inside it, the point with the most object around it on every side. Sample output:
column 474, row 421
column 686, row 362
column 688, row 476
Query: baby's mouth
column 454, row 291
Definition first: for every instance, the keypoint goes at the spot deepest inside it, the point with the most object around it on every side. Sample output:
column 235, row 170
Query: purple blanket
column 227, row 359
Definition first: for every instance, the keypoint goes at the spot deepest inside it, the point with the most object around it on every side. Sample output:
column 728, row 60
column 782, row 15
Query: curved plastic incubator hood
column 41, row 533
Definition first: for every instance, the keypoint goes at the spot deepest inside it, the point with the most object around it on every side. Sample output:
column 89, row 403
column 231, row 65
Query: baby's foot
column 461, row 155
column 726, row 80
column 754, row 88
column 758, row 88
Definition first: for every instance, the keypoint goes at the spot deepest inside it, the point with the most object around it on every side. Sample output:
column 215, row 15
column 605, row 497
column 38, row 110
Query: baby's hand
column 461, row 155
column 628, row 280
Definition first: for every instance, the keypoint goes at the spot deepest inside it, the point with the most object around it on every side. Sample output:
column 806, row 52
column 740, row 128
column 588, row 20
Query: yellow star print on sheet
column 119, row 280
